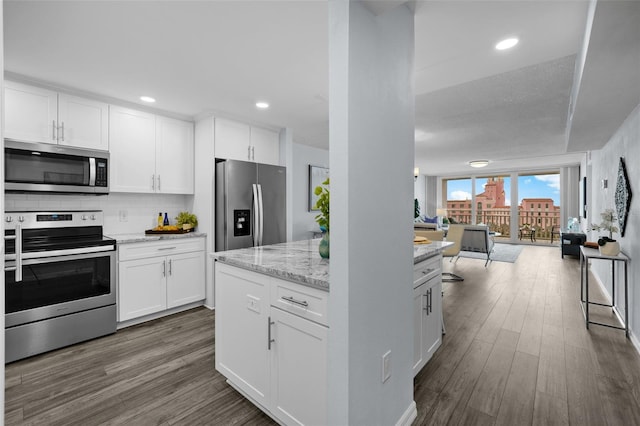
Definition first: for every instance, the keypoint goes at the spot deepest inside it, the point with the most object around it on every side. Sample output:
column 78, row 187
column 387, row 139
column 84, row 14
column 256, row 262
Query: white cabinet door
column 185, row 279
column 419, row 314
column 132, row 146
column 83, row 123
column 242, row 330
column 298, row 370
column 265, row 146
column 232, row 140
column 142, row 287
column 433, row 319
column 30, row 113
column 174, row 156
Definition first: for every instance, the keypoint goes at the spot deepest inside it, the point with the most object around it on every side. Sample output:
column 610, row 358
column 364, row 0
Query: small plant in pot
column 322, row 218
column 186, row 220
column 608, row 246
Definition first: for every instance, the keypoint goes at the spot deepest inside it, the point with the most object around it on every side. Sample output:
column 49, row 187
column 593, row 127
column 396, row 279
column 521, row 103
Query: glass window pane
column 537, row 194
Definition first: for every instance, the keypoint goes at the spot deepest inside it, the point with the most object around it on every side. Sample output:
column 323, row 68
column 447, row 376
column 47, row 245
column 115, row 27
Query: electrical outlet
column 253, row 304
column 386, row 366
column 123, row 215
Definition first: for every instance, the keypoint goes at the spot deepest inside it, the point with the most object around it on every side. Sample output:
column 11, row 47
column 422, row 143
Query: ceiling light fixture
column 507, row 43
column 262, row 105
column 147, row 99
column 479, row 163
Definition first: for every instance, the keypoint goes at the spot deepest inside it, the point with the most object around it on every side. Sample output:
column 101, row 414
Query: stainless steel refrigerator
column 250, row 204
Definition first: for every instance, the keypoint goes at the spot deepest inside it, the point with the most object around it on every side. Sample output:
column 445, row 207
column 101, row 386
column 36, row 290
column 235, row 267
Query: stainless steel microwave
column 37, row 167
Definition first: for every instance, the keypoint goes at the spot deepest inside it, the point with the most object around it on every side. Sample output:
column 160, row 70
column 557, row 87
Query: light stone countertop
column 299, row 261
column 141, row 237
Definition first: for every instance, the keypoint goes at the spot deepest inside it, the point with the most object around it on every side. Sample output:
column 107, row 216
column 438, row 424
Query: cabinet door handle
column 269, row 339
column 158, row 182
column 253, row 153
column 170, row 273
column 430, row 300
column 249, row 153
column 426, row 303
column 164, row 268
column 297, row 302
column 53, row 130
column 62, row 133
column 153, row 182
column 166, row 248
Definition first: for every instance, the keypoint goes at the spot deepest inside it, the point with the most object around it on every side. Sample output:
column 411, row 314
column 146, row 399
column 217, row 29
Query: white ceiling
column 222, row 56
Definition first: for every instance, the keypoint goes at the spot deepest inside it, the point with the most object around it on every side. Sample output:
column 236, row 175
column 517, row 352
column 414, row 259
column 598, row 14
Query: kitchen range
column 60, row 280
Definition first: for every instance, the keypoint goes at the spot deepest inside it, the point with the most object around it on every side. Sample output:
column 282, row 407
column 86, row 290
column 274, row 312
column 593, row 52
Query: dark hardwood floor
column 516, row 352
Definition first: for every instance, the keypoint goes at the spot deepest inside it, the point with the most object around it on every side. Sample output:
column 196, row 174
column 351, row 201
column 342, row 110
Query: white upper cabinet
column 174, row 156
column 149, row 153
column 239, row 141
column 232, row 140
column 84, row 123
column 33, row 114
column 133, row 150
column 265, row 146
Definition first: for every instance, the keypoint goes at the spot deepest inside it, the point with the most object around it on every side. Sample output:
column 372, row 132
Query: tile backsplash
column 123, row 213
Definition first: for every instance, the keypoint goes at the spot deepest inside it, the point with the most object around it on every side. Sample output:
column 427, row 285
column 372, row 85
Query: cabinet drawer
column 306, row 302
column 426, row 270
column 159, row 248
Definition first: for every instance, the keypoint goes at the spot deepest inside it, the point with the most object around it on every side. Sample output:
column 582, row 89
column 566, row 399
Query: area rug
column 501, row 253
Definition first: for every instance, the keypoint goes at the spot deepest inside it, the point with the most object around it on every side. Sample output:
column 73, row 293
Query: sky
column 530, row 186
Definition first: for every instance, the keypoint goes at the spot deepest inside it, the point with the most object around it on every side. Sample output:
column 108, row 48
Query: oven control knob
column 84, row 217
column 20, row 218
column 8, row 219
column 93, row 217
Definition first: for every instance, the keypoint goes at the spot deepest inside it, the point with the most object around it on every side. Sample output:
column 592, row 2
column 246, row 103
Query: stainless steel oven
column 33, row 167
column 59, row 281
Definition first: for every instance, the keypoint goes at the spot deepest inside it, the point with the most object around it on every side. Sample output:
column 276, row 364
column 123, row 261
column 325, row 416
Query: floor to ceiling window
column 487, row 200
column 493, row 203
column 457, row 199
column 538, row 205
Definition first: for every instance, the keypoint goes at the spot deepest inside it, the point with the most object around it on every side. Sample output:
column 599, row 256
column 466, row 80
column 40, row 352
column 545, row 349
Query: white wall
column 301, row 218
column 604, row 165
column 141, row 209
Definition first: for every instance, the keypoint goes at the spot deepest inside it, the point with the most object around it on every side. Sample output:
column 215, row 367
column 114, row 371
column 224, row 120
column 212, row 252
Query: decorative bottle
column 166, row 220
column 160, row 219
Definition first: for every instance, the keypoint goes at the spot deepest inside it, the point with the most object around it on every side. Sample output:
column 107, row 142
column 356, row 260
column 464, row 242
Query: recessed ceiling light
column 479, row 163
column 507, row 43
column 262, row 105
column 147, row 99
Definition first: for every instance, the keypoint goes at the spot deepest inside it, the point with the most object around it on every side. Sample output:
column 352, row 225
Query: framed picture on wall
column 317, row 175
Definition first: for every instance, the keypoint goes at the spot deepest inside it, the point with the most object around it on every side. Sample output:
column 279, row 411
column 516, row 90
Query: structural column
column 372, row 159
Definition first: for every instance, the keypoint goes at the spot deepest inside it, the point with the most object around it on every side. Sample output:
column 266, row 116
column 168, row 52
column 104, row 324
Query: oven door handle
column 18, row 252
column 66, row 252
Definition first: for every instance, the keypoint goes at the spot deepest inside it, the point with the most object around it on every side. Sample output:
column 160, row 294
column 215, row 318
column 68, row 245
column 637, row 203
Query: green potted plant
column 186, row 220
column 322, row 218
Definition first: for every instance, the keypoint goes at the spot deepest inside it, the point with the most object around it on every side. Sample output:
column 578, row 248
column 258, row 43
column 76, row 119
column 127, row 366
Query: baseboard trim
column 409, row 416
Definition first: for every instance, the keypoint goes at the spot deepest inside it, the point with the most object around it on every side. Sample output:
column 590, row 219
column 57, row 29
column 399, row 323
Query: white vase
column 610, row 249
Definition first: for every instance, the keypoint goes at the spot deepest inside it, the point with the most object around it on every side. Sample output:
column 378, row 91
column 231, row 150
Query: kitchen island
column 271, row 325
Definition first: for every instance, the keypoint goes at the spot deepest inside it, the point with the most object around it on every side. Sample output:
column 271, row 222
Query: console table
column 587, row 253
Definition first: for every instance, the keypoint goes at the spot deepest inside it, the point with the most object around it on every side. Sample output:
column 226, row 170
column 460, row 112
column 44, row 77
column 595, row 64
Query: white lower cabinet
column 159, row 275
column 276, row 357
column 427, row 311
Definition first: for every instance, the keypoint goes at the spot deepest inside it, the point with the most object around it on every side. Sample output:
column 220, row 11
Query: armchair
column 476, row 239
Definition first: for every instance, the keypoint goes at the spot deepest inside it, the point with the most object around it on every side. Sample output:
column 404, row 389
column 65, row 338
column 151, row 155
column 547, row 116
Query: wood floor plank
column 474, row 417
column 521, row 388
column 549, row 411
column 488, row 392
